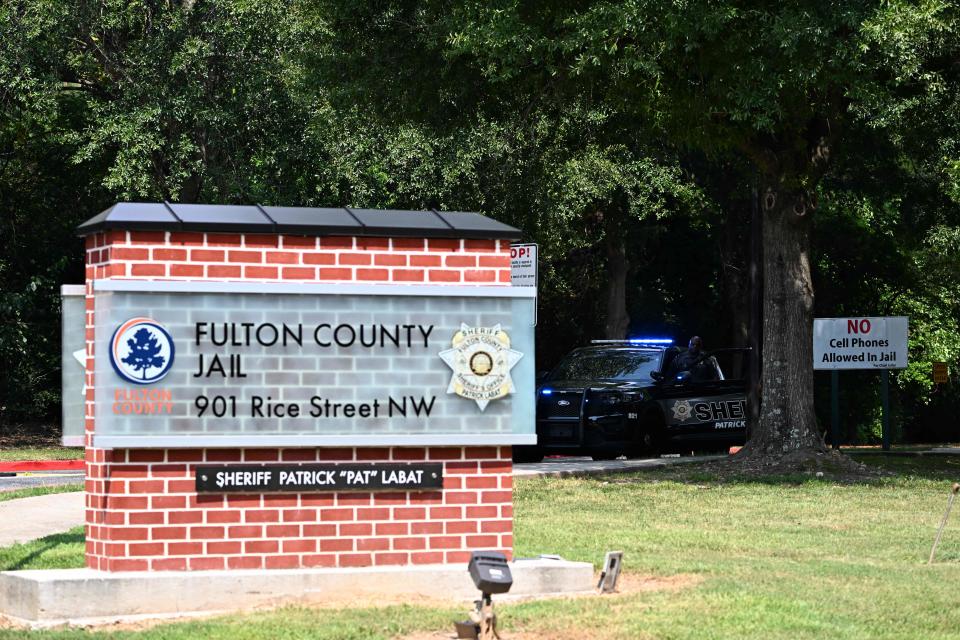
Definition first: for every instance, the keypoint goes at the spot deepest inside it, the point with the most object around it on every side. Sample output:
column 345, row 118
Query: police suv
column 629, row 398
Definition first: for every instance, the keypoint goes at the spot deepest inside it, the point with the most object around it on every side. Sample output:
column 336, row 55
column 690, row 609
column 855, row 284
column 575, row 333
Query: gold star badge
column 481, row 359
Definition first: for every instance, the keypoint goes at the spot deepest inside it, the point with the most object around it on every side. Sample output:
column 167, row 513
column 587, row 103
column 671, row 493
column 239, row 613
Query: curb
column 42, row 465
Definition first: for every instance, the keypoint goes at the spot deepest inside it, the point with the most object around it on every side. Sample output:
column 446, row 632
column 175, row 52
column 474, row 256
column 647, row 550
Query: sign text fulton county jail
column 345, row 366
column 321, row 336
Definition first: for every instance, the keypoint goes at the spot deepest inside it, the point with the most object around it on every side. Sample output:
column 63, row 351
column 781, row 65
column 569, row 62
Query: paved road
column 40, row 479
column 30, row 518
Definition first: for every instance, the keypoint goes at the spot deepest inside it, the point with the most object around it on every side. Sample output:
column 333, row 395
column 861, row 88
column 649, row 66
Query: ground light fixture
column 611, row 572
column 491, row 574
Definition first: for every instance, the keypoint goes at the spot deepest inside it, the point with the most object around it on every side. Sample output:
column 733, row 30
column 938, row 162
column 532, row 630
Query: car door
column 705, row 404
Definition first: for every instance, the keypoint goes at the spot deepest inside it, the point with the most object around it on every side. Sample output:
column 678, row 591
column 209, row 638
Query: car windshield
column 621, row 364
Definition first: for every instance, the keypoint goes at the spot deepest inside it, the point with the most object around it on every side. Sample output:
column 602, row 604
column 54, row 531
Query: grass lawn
column 30, row 492
column 62, row 550
column 783, row 558
column 14, row 454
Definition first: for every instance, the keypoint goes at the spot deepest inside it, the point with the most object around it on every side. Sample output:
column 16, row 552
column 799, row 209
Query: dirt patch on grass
column 6, row 624
column 567, row 634
column 636, row 583
column 628, row 584
column 331, row 601
column 794, row 468
column 828, row 464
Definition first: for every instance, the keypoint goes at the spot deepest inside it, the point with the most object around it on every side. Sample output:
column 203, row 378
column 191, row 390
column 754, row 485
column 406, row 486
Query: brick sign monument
column 280, row 388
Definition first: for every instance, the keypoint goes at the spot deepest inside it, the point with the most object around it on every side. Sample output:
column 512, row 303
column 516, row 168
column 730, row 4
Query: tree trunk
column 735, row 283
column 618, row 320
column 787, row 421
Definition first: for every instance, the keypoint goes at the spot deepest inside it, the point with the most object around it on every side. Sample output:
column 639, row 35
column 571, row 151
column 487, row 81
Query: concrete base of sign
column 50, row 597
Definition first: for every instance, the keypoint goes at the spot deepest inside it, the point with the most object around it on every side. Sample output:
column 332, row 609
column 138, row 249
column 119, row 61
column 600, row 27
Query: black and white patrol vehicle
column 631, row 398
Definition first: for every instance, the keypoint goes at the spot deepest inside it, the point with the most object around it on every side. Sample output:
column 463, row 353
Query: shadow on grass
column 28, row 554
column 930, row 467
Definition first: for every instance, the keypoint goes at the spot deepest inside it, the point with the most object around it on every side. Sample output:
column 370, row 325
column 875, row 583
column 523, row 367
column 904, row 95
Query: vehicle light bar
column 650, row 341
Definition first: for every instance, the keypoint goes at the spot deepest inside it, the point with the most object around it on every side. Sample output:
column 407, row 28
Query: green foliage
column 43, row 196
column 595, row 178
column 644, row 122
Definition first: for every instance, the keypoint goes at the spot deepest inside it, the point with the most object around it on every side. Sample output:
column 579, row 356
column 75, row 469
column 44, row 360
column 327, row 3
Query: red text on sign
column 858, row 326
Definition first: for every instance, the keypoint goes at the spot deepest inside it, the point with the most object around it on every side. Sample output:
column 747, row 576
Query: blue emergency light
column 650, row 341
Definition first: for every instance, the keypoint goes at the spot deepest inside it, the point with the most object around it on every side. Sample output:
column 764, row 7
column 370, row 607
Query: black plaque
column 303, row 478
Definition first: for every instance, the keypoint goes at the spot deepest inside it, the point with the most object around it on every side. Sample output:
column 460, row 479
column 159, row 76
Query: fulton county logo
column 481, row 359
column 141, row 351
column 682, row 410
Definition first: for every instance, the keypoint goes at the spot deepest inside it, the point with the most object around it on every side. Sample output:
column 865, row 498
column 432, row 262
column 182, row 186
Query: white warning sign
column 860, row 343
column 523, row 265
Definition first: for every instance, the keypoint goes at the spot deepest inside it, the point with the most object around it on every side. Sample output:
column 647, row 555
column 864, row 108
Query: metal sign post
column 885, row 404
column 835, row 409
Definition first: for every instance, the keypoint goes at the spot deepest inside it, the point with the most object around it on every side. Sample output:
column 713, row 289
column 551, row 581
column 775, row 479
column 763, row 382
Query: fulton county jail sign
column 265, row 364
column 860, row 343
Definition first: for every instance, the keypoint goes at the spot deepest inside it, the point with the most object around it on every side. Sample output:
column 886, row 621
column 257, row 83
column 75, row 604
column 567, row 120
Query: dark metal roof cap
column 384, row 222
column 312, row 221
column 136, row 216
column 161, row 216
column 220, row 217
column 474, row 222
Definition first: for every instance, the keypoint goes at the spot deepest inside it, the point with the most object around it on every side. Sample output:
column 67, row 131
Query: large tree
column 775, row 84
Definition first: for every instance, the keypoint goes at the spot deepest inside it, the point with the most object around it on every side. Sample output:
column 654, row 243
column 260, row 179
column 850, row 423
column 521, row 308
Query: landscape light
column 611, row 572
column 491, row 574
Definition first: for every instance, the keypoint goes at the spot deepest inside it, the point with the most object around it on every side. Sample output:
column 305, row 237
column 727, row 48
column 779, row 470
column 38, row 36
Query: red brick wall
column 219, row 256
column 142, row 511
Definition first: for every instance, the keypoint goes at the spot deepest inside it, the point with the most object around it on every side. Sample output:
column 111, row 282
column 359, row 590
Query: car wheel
column 527, row 454
column 605, row 456
column 649, row 442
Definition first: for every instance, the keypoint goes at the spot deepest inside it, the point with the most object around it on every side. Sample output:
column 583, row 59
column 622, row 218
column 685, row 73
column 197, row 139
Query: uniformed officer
column 686, row 360
column 692, row 360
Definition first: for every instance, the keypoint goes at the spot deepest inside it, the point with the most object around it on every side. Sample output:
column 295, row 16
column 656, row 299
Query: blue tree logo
column 144, row 352
column 141, row 351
